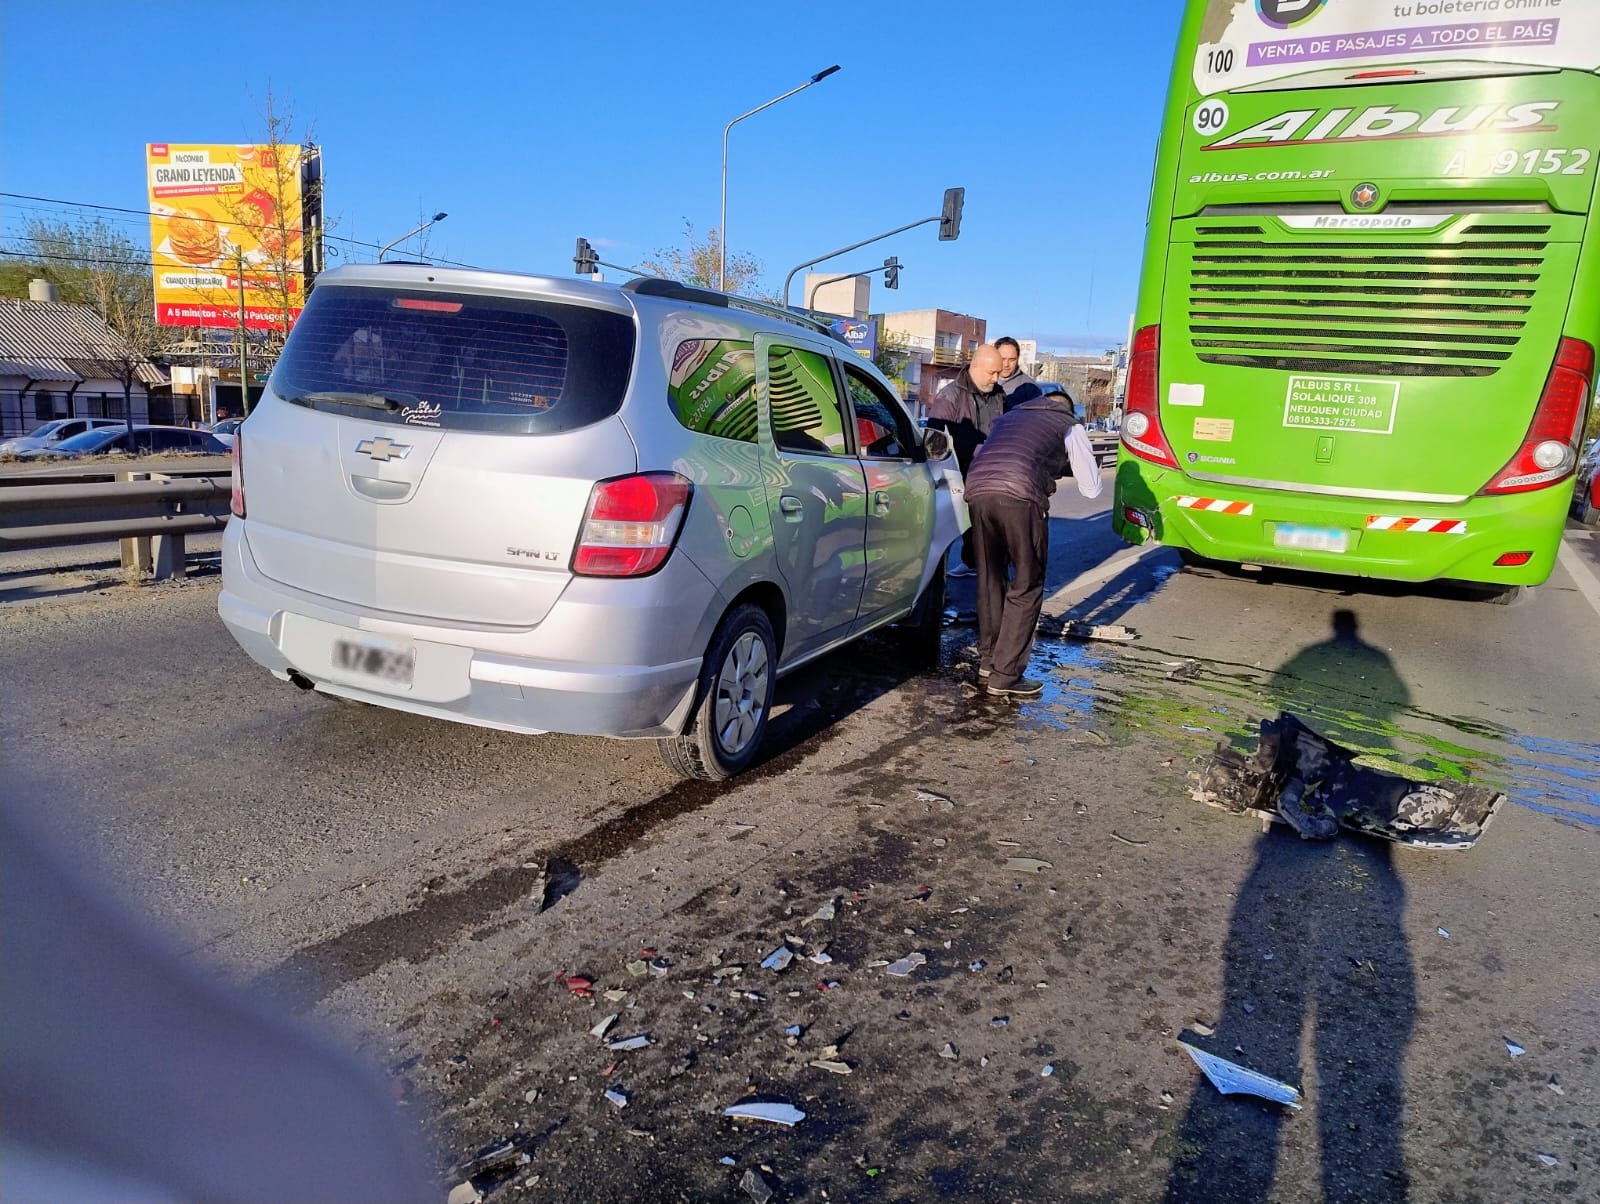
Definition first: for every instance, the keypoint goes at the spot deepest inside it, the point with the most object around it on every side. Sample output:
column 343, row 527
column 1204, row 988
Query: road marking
column 1114, row 564
column 1582, row 576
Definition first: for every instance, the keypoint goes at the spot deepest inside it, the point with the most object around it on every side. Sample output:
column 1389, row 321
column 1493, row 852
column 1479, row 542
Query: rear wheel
column 735, row 696
column 1506, row 596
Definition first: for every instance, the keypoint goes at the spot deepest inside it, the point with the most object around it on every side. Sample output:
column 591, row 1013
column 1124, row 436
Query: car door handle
column 791, row 507
column 880, row 499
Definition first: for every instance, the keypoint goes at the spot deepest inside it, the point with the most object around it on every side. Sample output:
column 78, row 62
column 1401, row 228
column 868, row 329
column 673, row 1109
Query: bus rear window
column 456, row 361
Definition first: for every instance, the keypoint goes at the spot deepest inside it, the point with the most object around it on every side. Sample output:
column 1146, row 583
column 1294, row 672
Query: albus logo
column 1286, row 14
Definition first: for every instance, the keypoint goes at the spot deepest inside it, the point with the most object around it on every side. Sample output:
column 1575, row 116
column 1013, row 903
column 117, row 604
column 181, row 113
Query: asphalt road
column 382, row 874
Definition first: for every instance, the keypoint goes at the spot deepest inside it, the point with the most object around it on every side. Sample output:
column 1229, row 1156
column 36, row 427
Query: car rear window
column 456, row 361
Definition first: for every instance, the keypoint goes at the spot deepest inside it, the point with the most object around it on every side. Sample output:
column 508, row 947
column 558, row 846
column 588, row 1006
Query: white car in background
column 52, row 433
column 224, row 431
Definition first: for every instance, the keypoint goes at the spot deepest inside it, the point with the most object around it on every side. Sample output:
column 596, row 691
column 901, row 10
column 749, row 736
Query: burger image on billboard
column 193, row 237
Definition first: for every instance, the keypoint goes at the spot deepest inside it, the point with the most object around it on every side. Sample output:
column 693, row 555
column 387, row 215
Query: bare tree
column 696, row 259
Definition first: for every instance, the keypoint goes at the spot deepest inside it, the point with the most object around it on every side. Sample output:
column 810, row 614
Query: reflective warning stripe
column 1436, row 526
column 1216, row 505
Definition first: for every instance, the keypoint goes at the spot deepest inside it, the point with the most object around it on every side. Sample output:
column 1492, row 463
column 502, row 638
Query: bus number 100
column 1219, row 61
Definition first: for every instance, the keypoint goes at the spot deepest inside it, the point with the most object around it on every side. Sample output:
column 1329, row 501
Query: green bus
column 1366, row 326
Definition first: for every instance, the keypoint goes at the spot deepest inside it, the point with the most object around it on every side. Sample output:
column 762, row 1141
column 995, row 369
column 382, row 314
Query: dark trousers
column 1012, row 541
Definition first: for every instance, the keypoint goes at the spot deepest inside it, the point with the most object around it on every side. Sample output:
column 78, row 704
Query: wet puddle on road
column 1120, row 688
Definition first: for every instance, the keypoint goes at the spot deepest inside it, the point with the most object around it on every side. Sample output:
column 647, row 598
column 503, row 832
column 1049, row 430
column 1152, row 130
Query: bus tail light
column 631, row 525
column 236, row 454
column 1141, row 418
column 1549, row 451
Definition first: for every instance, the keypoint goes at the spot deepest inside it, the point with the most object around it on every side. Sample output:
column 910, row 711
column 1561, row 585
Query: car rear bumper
column 611, row 658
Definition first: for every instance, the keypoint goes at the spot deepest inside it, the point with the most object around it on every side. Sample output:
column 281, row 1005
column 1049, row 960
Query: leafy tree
column 90, row 261
column 894, row 352
column 696, row 261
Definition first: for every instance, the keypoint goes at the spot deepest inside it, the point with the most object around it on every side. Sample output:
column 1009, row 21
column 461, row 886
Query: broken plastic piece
column 726, row 1161
column 1026, row 865
column 945, row 802
column 599, row 1030
column 630, row 1043
column 906, row 965
column 1178, row 670
column 754, row 1186
column 833, row 1065
column 559, row 879
column 617, row 1098
column 1512, row 1048
column 464, row 1193
column 1232, row 1079
column 1300, row 778
column 778, row 1114
column 1549, row 1160
column 1444, row 933
column 1047, row 1071
column 821, row 958
column 823, row 914
column 949, row 1051
column 778, row 959
column 492, row 1157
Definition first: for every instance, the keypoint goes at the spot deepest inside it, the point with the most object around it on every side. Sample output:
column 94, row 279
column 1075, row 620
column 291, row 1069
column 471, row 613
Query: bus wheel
column 1507, row 595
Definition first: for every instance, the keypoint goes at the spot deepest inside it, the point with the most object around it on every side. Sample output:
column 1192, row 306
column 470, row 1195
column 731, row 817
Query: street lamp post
column 437, row 217
column 722, row 226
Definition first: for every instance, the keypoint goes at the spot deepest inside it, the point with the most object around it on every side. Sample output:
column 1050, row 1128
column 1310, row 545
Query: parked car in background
column 1586, row 490
column 550, row 505
column 56, row 431
column 141, row 441
column 224, row 431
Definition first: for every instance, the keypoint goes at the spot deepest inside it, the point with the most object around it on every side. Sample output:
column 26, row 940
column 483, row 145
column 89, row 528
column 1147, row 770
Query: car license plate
column 385, row 661
column 1310, row 539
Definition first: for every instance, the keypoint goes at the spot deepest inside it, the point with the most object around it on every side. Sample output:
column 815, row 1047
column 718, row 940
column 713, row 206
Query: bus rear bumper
column 1398, row 541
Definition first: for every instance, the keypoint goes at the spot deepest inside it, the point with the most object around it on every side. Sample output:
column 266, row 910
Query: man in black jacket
column 1008, row 492
column 967, row 407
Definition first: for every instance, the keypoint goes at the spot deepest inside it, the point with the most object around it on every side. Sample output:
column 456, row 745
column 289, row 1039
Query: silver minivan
column 554, row 505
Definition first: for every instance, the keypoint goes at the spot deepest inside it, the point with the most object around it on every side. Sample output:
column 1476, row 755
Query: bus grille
column 1389, row 308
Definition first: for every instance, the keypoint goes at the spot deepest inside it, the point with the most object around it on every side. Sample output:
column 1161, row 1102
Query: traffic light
column 950, row 217
column 891, row 272
column 585, row 260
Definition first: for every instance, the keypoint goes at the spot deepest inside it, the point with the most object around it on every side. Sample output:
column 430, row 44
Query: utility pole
column 244, row 359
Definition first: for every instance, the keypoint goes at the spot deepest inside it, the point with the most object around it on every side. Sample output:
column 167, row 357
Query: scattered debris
column 579, row 984
column 1005, row 975
column 659, row 967
column 824, row 913
column 681, row 1066
column 821, row 958
column 754, row 1186
column 1026, row 865
column 776, row 1113
column 617, row 994
column 558, row 880
column 946, row 803
column 1512, row 1048
column 906, row 965
column 1000, row 1022
column 1299, row 778
column 639, row 968
column 627, row 1044
column 832, row 1065
column 726, row 1161
column 1555, row 1086
column 617, row 1098
column 1127, row 839
column 778, row 959
column 1549, row 1160
column 599, row 1030
column 1077, row 629
column 1048, row 1070
column 1444, row 933
column 1233, row 1079
column 464, row 1193
column 1181, row 670
column 1190, row 727
column 976, row 966
column 794, row 1030
column 949, row 1051
column 495, row 1156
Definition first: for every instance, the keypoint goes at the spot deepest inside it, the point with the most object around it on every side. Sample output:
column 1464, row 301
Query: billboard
column 863, row 336
column 219, row 212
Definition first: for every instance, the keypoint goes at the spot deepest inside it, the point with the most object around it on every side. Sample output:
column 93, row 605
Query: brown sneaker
column 1023, row 687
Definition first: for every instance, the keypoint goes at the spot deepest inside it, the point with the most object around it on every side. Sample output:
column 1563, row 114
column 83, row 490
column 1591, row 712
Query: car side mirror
column 937, row 445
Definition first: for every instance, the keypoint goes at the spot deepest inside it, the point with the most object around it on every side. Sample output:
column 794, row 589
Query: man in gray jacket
column 1008, row 492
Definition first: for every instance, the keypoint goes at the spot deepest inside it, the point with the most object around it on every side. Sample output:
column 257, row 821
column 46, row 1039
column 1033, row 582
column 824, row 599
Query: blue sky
column 533, row 123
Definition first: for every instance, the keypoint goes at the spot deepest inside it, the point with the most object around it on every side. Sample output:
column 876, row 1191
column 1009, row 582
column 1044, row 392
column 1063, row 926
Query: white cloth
column 1085, row 468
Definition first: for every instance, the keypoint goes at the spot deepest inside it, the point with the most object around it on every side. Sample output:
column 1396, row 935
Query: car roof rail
column 659, row 286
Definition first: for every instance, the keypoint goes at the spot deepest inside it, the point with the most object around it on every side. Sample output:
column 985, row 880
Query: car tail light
column 236, row 454
column 1513, row 560
column 631, row 524
column 1549, row 452
column 1141, row 419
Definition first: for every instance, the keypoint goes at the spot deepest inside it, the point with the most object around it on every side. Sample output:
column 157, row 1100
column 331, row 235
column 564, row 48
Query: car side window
column 804, row 402
column 712, row 387
column 67, row 430
column 883, row 430
column 142, row 442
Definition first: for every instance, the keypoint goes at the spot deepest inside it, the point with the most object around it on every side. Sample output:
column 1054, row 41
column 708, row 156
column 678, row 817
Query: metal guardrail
column 149, row 512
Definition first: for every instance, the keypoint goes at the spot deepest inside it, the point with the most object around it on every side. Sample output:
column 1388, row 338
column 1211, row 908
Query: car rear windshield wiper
column 375, row 401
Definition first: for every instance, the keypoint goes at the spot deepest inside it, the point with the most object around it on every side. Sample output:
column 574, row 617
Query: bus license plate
column 1311, row 539
column 389, row 663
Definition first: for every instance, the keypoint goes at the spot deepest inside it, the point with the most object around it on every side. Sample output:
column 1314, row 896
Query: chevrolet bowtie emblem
column 382, row 448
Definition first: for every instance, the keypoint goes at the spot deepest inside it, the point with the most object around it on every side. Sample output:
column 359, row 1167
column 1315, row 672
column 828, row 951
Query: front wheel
column 922, row 631
column 729, row 719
